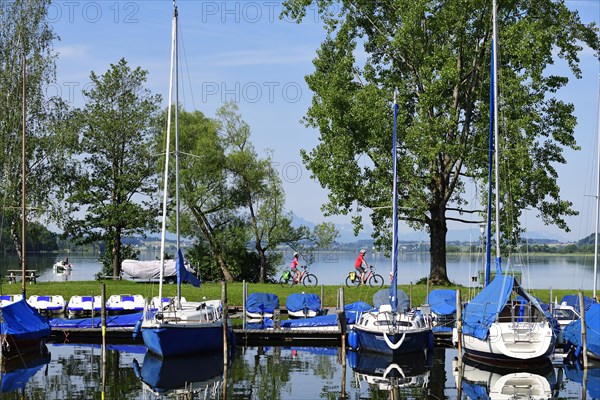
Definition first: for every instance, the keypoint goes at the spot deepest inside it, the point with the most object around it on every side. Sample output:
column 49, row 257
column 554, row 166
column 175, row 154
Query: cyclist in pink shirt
column 294, row 267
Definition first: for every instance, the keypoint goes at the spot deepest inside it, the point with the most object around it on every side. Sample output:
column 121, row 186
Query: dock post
column 103, row 320
column 583, row 330
column 244, row 297
column 410, row 296
column 224, row 319
column 322, row 296
column 459, row 325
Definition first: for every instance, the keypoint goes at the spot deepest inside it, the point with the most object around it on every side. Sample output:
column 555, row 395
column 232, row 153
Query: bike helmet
column 295, row 254
column 363, row 251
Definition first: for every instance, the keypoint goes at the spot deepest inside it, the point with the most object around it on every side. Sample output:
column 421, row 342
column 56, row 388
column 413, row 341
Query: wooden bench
column 31, row 275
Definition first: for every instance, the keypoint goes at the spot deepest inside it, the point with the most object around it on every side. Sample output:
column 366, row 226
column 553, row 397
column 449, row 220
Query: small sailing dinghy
column 303, row 305
column 261, row 305
column 392, row 328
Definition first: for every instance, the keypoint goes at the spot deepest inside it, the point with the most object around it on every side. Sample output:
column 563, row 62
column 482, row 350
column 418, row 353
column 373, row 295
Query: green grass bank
column 417, row 293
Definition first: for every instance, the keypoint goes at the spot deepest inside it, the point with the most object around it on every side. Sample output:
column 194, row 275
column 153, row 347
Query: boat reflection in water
column 484, row 381
column 388, row 373
column 17, row 371
column 182, row 375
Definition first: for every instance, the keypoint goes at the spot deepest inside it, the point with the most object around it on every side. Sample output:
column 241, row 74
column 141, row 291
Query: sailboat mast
column 177, row 151
column 393, row 287
column 597, row 199
column 496, row 142
column 23, row 185
column 167, row 154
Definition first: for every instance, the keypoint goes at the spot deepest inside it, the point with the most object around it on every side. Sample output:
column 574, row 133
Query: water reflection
column 77, row 371
column 17, row 371
column 394, row 375
column 482, row 381
column 182, row 376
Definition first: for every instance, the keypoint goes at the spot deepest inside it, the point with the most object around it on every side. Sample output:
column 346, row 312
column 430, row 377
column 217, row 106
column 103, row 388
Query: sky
column 242, row 51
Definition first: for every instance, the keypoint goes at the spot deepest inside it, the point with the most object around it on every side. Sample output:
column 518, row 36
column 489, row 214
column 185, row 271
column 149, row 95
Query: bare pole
column 23, row 186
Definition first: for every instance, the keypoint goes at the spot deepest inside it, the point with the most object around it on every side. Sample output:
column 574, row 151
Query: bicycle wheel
column 283, row 281
column 376, row 280
column 310, row 280
column 352, row 282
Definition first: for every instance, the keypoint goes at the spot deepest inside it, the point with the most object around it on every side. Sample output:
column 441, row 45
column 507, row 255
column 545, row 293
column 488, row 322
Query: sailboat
column 392, row 328
column 497, row 329
column 22, row 328
column 591, row 311
column 180, row 328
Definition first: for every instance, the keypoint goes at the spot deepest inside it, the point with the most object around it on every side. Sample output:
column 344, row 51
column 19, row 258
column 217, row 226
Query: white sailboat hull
column 514, row 341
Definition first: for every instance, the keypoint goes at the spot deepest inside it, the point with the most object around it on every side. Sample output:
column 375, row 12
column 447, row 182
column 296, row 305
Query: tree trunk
column 116, row 254
column 223, row 265
column 263, row 263
column 438, row 230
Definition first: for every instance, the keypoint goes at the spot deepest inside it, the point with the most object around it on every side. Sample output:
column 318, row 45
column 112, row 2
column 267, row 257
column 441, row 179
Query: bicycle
column 371, row 278
column 306, row 278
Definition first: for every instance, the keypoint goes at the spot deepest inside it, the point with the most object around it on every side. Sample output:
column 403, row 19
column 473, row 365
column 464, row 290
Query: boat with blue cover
column 443, row 311
column 303, row 305
column 261, row 305
column 572, row 332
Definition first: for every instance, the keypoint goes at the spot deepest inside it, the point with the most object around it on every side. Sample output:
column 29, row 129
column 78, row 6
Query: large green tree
column 113, row 195
column 437, row 56
column 27, row 68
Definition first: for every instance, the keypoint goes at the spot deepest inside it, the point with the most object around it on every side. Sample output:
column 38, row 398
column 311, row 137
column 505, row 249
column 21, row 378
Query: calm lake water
column 73, row 371
column 332, row 267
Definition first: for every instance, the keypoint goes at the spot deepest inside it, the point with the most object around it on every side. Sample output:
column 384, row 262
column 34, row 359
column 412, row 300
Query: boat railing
column 517, row 312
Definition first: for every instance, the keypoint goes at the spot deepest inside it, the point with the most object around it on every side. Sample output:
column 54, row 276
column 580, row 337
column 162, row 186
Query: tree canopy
column 114, row 192
column 436, row 56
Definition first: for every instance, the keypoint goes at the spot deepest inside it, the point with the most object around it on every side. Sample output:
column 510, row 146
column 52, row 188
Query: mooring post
column 244, row 297
column 459, row 325
column 322, row 296
column 103, row 319
column 410, row 296
column 583, row 329
column 224, row 319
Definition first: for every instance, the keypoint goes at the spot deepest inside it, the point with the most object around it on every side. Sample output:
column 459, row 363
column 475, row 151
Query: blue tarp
column 261, row 303
column 482, row 311
column 572, row 332
column 22, row 321
column 573, row 301
column 442, row 301
column 302, row 301
column 113, row 321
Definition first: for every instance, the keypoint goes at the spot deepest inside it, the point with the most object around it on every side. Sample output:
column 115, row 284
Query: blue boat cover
column 301, row 301
column 262, row 303
column 572, row 332
column 22, row 321
column 573, row 301
column 113, row 321
column 358, row 306
column 482, row 311
column 442, row 301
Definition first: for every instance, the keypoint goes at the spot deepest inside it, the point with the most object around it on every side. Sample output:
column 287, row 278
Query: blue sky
column 241, row 50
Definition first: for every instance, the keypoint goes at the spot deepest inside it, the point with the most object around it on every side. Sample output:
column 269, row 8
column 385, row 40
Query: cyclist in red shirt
column 294, row 267
column 358, row 265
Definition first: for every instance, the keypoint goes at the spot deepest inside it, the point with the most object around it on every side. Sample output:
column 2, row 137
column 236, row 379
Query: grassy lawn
column 235, row 291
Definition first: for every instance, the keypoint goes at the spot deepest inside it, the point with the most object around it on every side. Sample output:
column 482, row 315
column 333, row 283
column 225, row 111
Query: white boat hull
column 511, row 341
column 47, row 304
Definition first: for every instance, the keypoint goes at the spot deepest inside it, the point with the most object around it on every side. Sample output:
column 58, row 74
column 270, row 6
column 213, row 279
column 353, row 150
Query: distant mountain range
column 408, row 235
